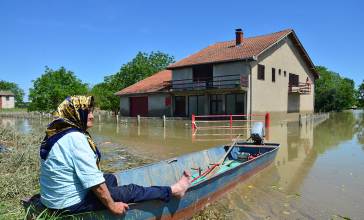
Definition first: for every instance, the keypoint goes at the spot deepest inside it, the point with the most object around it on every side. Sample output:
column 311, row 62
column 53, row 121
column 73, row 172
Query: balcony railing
column 302, row 88
column 217, row 82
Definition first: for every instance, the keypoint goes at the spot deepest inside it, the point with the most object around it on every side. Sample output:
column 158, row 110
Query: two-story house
column 268, row 73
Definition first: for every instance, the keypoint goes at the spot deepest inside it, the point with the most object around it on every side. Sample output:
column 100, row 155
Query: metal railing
column 302, row 88
column 217, row 82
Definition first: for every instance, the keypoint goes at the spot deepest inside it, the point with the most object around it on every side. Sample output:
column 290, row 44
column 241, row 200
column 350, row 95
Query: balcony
column 301, row 88
column 236, row 81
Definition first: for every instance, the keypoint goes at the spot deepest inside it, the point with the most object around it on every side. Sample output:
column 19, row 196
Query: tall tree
column 360, row 98
column 52, row 88
column 140, row 67
column 14, row 88
column 333, row 92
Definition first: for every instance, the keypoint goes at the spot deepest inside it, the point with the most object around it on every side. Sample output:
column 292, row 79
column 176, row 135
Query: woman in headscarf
column 71, row 180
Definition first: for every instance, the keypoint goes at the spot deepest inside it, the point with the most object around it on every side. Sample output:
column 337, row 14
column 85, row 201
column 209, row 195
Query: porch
column 233, row 102
column 234, row 81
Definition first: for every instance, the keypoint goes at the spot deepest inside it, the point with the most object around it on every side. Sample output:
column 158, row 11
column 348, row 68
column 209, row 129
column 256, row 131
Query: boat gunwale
column 234, row 168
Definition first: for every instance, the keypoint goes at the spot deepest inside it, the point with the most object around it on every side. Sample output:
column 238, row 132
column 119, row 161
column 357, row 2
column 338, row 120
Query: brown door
column 293, row 79
column 180, row 106
column 139, row 106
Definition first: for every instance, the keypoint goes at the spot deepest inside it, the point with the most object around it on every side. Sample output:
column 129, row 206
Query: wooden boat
column 204, row 190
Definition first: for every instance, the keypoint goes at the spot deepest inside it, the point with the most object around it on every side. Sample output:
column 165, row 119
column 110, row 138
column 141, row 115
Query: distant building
column 7, row 99
column 268, row 73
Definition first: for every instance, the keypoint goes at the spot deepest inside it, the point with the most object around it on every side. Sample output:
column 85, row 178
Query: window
column 234, row 103
column 261, row 69
column 293, row 79
column 180, row 106
column 196, row 105
column 216, row 104
column 273, row 74
column 202, row 73
column 285, row 73
column 279, row 72
column 7, row 98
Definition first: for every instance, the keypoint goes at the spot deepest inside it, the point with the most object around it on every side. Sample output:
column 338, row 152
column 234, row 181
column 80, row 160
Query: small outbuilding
column 7, row 99
column 148, row 97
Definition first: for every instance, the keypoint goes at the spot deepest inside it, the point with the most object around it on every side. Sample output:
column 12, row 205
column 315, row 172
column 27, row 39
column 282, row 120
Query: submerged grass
column 19, row 171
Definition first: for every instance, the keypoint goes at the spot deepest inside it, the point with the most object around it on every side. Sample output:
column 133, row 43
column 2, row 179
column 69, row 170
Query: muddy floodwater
column 318, row 172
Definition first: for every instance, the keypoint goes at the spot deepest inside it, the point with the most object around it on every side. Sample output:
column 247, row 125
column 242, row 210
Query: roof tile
column 228, row 51
column 154, row 83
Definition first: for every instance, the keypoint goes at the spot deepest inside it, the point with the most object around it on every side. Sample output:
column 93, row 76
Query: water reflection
column 317, row 173
column 359, row 128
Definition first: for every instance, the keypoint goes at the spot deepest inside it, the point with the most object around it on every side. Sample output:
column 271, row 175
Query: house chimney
column 239, row 36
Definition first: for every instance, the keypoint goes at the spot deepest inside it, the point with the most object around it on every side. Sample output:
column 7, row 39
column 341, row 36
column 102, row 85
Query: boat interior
column 199, row 163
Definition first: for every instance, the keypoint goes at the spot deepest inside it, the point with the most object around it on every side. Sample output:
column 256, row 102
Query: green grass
column 13, row 110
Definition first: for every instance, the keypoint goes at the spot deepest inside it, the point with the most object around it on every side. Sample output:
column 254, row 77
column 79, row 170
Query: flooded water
column 318, row 172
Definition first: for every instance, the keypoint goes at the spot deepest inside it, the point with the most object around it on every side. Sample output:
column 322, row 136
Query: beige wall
column 271, row 96
column 7, row 104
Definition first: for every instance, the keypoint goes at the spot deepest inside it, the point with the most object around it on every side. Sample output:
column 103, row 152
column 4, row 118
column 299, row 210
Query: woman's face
column 90, row 119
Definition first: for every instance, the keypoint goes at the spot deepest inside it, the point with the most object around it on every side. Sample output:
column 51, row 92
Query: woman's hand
column 103, row 194
column 118, row 208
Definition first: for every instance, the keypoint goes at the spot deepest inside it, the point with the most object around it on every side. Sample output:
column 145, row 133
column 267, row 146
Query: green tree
column 103, row 95
column 332, row 92
column 14, row 88
column 140, row 67
column 360, row 95
column 52, row 88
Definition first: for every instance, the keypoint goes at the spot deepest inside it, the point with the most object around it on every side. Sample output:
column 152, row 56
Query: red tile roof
column 250, row 48
column 6, row 93
column 228, row 51
column 154, row 83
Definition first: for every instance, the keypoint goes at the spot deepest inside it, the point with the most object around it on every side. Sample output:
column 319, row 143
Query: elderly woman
column 70, row 178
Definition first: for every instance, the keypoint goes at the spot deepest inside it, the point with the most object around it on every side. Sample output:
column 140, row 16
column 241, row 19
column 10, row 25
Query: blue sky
column 94, row 38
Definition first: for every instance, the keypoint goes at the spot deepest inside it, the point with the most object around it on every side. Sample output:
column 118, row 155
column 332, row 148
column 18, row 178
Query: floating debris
column 342, row 217
column 3, row 149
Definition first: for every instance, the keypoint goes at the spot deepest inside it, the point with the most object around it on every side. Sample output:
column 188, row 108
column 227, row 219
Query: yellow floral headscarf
column 70, row 116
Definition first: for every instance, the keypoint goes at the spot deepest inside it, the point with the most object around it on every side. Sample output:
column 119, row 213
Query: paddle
column 222, row 160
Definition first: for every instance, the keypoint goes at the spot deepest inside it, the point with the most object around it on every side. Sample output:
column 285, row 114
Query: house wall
column 7, row 104
column 268, row 96
column 230, row 70
column 156, row 105
column 184, row 74
column 124, row 106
